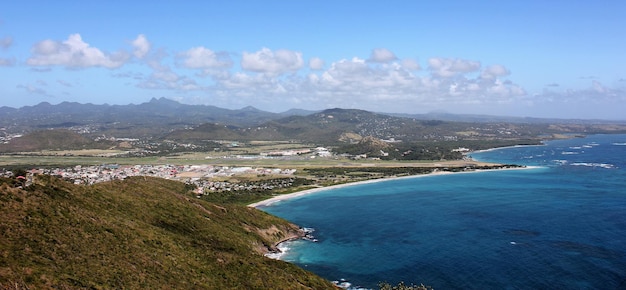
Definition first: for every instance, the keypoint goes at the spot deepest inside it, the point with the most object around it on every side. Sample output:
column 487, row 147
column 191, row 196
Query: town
column 205, row 178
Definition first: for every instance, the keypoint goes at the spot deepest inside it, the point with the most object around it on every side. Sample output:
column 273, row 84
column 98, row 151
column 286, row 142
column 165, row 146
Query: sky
column 556, row 59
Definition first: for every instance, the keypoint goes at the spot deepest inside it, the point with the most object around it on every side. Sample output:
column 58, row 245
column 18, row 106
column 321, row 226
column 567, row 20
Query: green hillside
column 59, row 139
column 138, row 233
column 331, row 127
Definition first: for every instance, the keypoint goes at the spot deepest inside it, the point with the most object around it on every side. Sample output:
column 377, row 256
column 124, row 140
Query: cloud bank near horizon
column 279, row 79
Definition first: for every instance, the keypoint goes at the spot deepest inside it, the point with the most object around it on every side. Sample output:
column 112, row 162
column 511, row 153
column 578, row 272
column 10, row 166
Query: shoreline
column 283, row 197
column 505, row 147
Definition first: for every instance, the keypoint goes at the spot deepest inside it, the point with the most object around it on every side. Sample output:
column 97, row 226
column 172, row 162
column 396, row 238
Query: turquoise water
column 559, row 226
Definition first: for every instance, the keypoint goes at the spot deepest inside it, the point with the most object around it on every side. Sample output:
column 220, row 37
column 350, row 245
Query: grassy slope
column 137, row 233
column 59, row 139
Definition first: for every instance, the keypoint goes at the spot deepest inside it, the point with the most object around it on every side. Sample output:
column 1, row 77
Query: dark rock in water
column 519, row 232
column 587, row 250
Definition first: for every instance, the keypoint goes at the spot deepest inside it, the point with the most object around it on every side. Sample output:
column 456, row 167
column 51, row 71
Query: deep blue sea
column 561, row 225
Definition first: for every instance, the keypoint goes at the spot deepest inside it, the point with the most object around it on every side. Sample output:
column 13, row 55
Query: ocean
column 561, row 224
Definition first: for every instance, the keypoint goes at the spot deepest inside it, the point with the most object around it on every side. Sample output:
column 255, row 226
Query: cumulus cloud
column 410, row 64
column 494, row 71
column 316, row 63
column 141, row 46
column 6, row 42
column 504, row 89
column 204, row 58
column 73, row 53
column 164, row 78
column 361, row 83
column 272, row 62
column 382, row 55
column 449, row 67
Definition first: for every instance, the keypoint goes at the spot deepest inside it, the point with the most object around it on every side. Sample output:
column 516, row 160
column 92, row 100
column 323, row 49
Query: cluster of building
column 198, row 175
column 207, row 186
column 319, row 151
column 6, row 137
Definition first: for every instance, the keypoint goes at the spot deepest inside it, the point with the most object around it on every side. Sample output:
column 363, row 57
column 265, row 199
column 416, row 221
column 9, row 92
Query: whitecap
column 591, row 164
column 569, row 153
column 619, row 144
column 283, row 248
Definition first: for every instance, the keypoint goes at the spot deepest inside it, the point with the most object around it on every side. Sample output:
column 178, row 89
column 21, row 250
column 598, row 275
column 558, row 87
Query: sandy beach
column 283, row 197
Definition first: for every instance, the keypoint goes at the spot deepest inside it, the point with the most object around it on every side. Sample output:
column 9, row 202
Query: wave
column 344, row 284
column 283, row 248
column 619, row 144
column 590, row 164
column 569, row 153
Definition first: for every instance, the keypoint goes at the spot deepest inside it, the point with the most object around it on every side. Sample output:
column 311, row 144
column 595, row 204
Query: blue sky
column 564, row 59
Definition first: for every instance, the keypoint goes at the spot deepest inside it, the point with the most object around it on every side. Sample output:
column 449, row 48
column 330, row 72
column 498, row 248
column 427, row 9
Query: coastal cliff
column 138, row 233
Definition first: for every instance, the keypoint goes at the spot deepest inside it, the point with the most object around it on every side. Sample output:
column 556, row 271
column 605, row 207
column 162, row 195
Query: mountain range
column 164, row 119
column 172, row 114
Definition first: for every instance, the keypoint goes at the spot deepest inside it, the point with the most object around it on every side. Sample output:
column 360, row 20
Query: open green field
column 243, row 154
column 199, row 158
column 47, row 160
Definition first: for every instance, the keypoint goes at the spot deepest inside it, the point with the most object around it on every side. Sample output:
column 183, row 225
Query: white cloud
column 272, row 62
column 595, row 93
column 6, row 42
column 382, row 55
column 316, row 63
column 410, row 64
column 164, row 78
column 598, row 87
column 7, row 61
column 494, row 71
column 359, row 83
column 34, row 90
column 141, row 46
column 73, row 53
column 449, row 67
column 504, row 90
column 204, row 58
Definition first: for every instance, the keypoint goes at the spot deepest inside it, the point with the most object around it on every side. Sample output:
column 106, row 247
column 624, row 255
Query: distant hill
column 158, row 116
column 162, row 118
column 338, row 126
column 140, row 233
column 323, row 127
column 209, row 131
column 475, row 118
column 60, row 139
